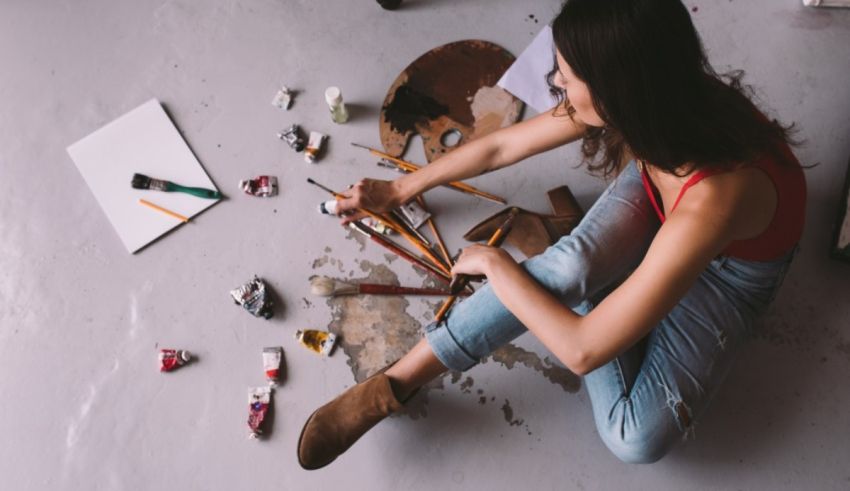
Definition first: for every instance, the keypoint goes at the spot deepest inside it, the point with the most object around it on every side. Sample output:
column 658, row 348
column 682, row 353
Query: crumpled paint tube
column 170, row 359
column 272, row 359
column 321, row 342
column 260, row 186
column 283, row 98
column 259, row 403
column 314, row 146
column 414, row 214
column 254, row 298
column 292, row 137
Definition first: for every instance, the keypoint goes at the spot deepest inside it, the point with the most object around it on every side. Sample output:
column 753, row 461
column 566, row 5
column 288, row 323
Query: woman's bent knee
column 638, row 452
column 643, row 445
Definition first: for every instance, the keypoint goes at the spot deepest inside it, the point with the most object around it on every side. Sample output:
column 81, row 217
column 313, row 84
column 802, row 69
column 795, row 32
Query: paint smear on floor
column 375, row 330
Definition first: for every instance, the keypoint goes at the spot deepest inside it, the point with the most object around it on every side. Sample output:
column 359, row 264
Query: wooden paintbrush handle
column 411, row 258
column 460, row 186
column 374, row 289
column 441, row 314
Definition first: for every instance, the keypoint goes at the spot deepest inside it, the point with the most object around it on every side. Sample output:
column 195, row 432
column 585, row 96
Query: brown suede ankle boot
column 532, row 232
column 334, row 427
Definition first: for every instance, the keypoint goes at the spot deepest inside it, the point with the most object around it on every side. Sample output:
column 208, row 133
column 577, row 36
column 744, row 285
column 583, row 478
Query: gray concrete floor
column 83, row 406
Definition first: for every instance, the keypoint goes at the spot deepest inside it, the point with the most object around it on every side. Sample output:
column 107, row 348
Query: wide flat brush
column 141, row 181
column 324, row 286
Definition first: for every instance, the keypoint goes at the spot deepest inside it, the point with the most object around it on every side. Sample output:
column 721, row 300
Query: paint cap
column 333, row 96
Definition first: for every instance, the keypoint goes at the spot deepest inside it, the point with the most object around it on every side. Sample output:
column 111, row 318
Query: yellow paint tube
column 322, row 342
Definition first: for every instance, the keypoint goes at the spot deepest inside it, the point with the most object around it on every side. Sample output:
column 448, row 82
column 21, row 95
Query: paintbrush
column 433, row 226
column 398, row 250
column 141, row 181
column 460, row 281
column 389, row 222
column 324, row 286
column 406, row 166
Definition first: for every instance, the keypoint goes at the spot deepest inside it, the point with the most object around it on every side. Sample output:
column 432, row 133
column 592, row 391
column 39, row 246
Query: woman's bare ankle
column 415, row 369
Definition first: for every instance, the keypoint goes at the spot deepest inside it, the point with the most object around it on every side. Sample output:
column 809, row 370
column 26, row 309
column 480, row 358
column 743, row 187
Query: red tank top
column 785, row 227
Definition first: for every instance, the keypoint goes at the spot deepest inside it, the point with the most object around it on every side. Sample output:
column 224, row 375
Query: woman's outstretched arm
column 499, row 149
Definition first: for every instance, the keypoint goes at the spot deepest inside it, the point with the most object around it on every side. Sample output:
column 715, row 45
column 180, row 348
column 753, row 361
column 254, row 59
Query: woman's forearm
column 554, row 324
column 499, row 149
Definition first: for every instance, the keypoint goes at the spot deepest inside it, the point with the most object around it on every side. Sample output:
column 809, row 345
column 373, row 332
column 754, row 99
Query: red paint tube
column 170, row 359
column 272, row 361
column 259, row 402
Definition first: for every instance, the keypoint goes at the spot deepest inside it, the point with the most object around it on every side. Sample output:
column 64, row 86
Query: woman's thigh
column 650, row 397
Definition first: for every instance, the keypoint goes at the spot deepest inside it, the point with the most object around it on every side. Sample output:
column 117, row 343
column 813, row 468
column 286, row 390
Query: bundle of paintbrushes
column 440, row 267
column 324, row 286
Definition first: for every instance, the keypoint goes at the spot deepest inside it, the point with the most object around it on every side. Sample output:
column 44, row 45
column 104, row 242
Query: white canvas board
column 142, row 141
column 526, row 77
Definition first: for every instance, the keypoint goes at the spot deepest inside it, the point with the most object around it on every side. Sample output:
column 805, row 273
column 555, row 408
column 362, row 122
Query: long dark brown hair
column 651, row 83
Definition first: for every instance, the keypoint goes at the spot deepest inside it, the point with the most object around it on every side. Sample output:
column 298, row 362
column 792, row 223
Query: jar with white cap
column 333, row 96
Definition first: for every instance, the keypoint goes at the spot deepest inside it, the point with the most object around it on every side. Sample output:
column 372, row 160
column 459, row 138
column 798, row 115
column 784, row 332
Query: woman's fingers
column 353, row 216
column 352, row 199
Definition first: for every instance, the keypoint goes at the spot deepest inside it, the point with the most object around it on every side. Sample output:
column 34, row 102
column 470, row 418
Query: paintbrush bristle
column 329, row 287
column 141, row 181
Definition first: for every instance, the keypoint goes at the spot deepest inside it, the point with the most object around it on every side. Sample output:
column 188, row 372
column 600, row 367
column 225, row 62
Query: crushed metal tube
column 260, row 186
column 259, row 404
column 321, row 342
column 283, row 98
column 171, row 359
column 253, row 297
column 292, row 137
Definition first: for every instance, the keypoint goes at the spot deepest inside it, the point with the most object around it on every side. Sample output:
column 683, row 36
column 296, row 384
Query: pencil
column 461, row 280
column 163, row 210
column 411, row 167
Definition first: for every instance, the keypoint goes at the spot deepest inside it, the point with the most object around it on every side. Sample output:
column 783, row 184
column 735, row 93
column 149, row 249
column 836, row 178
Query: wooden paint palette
column 449, row 97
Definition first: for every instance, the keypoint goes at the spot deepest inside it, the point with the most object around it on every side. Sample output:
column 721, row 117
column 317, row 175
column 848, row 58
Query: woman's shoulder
column 743, row 195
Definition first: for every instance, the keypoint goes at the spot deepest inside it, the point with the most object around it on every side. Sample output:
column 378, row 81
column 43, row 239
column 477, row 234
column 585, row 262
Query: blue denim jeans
column 649, row 397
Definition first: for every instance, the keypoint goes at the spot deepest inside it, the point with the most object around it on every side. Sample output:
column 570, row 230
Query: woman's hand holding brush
column 373, row 194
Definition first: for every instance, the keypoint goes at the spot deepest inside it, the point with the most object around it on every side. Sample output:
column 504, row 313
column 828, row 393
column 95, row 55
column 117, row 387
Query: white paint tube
column 283, row 98
column 329, row 207
column 414, row 214
column 272, row 358
column 314, row 146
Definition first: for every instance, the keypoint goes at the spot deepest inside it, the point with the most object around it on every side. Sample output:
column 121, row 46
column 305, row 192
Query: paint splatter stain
column 376, row 330
column 508, row 411
column 466, row 386
column 509, row 355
